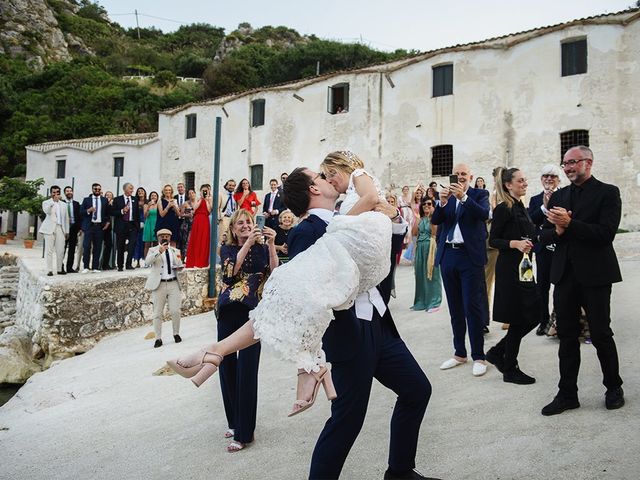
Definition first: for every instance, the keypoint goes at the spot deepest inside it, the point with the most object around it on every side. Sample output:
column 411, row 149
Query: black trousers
column 92, row 244
column 386, row 358
column 107, row 247
column 569, row 296
column 239, row 375
column 126, row 238
column 509, row 346
column 72, row 244
column 543, row 279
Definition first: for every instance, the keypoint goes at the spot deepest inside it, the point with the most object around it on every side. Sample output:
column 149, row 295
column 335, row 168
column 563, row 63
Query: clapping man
column 180, row 198
column 75, row 224
column 165, row 262
column 55, row 228
column 126, row 225
column 272, row 205
column 226, row 206
column 95, row 219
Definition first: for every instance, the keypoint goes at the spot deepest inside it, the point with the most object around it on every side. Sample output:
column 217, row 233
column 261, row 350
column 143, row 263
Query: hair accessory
column 351, row 157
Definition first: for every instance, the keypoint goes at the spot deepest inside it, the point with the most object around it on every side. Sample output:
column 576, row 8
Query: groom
column 361, row 344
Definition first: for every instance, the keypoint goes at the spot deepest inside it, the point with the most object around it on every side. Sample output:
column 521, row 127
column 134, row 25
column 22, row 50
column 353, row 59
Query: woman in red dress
column 200, row 236
column 246, row 198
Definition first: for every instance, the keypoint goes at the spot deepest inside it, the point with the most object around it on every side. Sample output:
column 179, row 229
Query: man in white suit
column 55, row 228
column 165, row 262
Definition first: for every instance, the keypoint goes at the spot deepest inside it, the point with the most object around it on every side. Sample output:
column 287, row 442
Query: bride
column 352, row 257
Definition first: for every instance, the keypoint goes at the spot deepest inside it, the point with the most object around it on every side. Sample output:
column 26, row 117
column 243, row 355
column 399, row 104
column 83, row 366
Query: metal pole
column 213, row 247
column 113, row 231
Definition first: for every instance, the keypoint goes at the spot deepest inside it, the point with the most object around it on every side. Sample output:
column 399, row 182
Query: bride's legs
column 238, row 340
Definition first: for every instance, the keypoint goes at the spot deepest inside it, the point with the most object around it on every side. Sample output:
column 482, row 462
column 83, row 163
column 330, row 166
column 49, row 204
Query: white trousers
column 167, row 292
column 54, row 243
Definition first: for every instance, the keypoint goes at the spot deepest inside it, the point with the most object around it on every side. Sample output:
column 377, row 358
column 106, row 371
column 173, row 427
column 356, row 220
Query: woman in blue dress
column 428, row 295
column 168, row 212
column 138, row 253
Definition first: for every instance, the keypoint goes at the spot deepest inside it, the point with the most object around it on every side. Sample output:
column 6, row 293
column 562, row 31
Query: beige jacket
column 154, row 262
column 49, row 223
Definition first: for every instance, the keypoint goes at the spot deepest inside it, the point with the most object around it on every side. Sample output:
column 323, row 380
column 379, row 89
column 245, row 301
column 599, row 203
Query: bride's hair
column 342, row 160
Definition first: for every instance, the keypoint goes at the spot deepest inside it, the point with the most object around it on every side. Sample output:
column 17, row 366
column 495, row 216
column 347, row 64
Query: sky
column 382, row 24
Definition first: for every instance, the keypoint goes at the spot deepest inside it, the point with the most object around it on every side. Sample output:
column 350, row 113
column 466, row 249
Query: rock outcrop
column 16, row 363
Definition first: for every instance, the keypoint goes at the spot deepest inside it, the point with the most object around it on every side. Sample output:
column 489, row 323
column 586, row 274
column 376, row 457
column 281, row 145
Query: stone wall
column 9, row 273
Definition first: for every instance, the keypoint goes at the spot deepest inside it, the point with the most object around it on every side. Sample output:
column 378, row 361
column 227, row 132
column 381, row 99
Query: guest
column 55, row 228
column 393, row 201
column 75, row 224
column 107, row 237
column 550, row 178
column 585, row 218
column 164, row 285
column 168, row 213
column 461, row 215
column 283, row 178
column 138, row 253
column 272, row 205
column 126, row 214
column 181, row 197
column 428, row 292
column 492, row 254
column 226, row 206
column 186, row 213
column 516, row 301
column 200, row 239
column 480, row 183
column 245, row 264
column 246, row 198
column 431, row 194
column 287, row 222
column 150, row 218
column 409, row 253
column 95, row 212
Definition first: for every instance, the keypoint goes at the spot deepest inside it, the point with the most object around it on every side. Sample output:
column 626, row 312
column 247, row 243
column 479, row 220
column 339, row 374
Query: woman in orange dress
column 246, row 198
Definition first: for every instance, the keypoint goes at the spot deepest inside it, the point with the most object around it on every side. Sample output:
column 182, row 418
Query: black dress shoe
column 393, row 475
column 541, row 331
column 614, row 398
column 71, row 270
column 62, row 272
column 495, row 358
column 485, row 330
column 559, row 405
column 158, row 343
column 129, row 267
column 177, row 338
column 119, row 269
column 50, row 274
column 518, row 377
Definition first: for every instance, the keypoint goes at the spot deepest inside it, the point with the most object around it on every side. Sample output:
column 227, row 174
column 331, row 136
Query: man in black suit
column 272, row 205
column 126, row 225
column 95, row 219
column 362, row 343
column 584, row 219
column 550, row 178
column 75, row 224
column 180, row 198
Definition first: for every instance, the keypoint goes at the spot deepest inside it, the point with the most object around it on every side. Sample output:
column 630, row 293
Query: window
column 191, row 121
column 61, row 167
column 256, row 177
column 257, row 113
column 441, row 160
column 573, row 138
column 443, row 80
column 574, row 57
column 338, row 98
column 118, row 166
column 190, row 180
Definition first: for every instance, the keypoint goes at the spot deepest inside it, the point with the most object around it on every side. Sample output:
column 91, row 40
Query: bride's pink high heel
column 323, row 377
column 194, row 367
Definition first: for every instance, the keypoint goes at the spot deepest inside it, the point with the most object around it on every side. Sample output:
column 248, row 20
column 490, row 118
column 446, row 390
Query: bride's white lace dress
column 297, row 301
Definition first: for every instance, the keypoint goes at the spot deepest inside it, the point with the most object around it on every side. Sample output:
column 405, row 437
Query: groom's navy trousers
column 359, row 351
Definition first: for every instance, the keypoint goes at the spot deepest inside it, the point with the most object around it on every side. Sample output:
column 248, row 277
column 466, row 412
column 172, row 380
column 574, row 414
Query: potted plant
column 11, row 234
column 28, row 240
column 3, row 238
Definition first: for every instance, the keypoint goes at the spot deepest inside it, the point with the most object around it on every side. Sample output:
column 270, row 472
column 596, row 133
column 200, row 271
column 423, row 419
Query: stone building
column 517, row 100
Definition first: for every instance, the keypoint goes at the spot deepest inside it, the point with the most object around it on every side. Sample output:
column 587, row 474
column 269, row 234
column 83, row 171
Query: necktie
column 95, row 211
column 130, row 212
column 69, row 212
column 453, row 228
column 166, row 254
column 230, row 204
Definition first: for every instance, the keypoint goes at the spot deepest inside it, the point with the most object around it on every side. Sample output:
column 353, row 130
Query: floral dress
column 245, row 286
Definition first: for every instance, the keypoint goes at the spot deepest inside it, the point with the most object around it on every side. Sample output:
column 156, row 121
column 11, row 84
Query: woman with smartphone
column 199, row 238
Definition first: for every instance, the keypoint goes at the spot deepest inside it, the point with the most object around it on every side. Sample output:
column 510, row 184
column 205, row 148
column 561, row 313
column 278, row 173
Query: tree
column 17, row 195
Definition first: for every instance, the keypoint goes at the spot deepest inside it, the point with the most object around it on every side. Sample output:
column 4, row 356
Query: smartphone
column 165, row 243
column 204, row 194
column 453, row 179
column 260, row 221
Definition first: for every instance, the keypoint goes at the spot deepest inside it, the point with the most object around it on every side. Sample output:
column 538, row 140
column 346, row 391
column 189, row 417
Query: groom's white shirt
column 366, row 301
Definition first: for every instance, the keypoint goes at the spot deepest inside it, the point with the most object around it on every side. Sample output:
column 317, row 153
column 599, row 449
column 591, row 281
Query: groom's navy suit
column 360, row 350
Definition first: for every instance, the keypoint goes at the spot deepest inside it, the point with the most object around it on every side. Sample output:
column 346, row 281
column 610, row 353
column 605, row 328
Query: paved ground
column 102, row 415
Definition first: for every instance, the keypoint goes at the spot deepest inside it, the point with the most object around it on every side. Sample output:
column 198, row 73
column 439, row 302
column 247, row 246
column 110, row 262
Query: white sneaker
column 479, row 368
column 452, row 362
column 86, row 270
column 96, row 271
